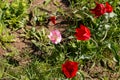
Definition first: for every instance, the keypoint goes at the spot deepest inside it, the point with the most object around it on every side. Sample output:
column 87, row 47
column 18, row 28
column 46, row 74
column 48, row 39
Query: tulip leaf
column 1, row 70
column 47, row 2
column 113, row 47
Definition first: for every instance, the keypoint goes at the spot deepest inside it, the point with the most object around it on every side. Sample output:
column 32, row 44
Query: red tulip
column 53, row 19
column 82, row 33
column 70, row 68
column 98, row 10
column 108, row 8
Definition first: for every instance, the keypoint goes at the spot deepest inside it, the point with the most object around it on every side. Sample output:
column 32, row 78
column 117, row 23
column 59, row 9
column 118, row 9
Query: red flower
column 82, row 33
column 53, row 19
column 98, row 10
column 108, row 8
column 70, row 68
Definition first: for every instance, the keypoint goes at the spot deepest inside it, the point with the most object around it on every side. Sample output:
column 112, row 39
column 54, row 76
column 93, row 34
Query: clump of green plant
column 9, row 71
column 41, row 43
column 14, row 13
column 38, row 15
column 5, row 36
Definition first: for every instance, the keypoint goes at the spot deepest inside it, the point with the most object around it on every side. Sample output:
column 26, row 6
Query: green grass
column 45, row 60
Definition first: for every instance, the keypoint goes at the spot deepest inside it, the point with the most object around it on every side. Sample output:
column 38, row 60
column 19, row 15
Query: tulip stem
column 104, row 36
column 94, row 42
column 108, row 17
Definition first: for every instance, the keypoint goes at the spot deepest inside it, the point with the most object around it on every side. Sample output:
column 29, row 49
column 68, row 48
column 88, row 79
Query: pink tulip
column 55, row 36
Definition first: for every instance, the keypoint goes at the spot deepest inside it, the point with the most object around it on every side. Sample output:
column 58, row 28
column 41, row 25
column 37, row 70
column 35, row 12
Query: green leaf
column 1, row 70
column 107, row 26
column 47, row 2
column 114, row 48
column 1, row 28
